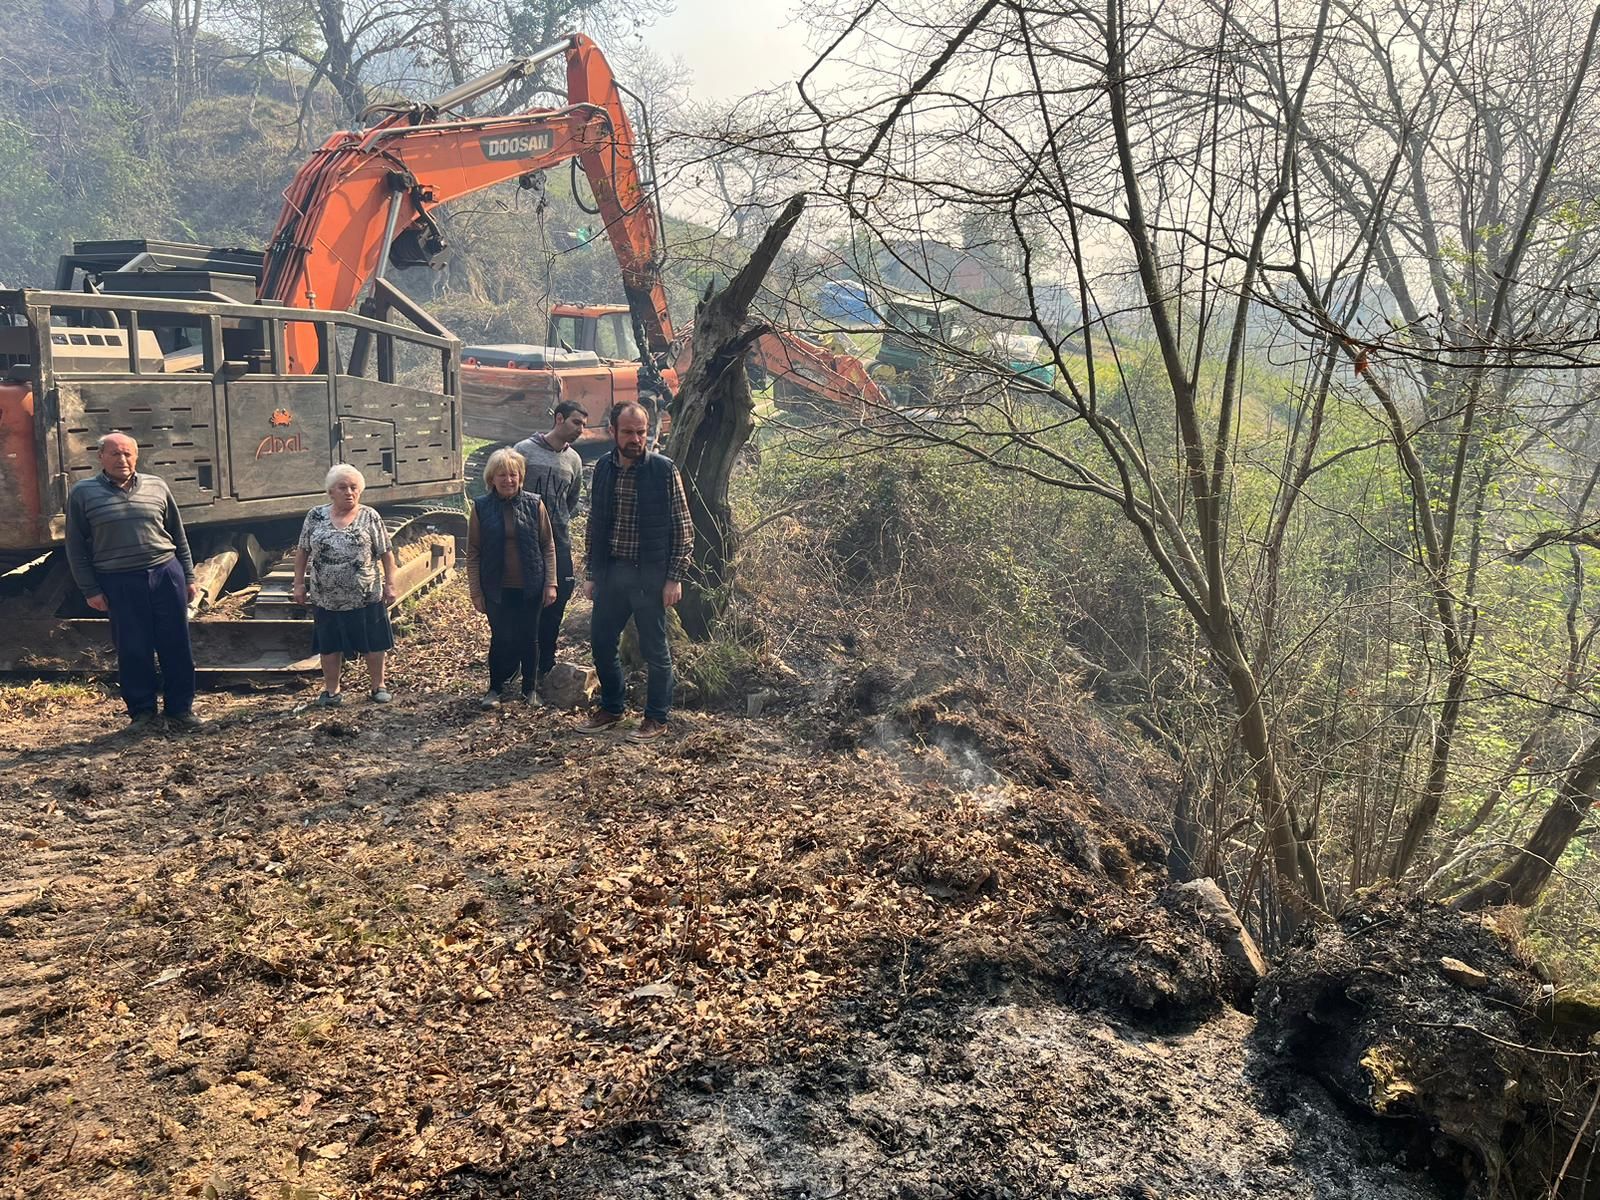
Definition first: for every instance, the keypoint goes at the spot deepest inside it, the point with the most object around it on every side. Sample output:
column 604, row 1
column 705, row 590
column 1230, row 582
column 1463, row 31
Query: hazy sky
column 734, row 47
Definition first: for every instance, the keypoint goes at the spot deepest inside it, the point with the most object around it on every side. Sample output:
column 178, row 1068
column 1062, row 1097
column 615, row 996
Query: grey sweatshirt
column 557, row 478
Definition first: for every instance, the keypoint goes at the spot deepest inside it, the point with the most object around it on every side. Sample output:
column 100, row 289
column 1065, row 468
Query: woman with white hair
column 344, row 543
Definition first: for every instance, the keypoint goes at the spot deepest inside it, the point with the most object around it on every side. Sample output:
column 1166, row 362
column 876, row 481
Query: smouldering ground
column 422, row 950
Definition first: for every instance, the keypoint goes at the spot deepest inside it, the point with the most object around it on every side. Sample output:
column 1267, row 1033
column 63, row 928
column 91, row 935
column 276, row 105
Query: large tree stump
column 711, row 421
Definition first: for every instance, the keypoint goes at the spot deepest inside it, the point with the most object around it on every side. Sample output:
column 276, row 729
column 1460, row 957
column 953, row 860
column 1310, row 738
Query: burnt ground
column 1412, row 1013
column 856, row 947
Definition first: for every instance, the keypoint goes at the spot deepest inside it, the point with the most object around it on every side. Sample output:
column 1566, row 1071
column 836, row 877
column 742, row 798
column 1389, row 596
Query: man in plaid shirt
column 638, row 547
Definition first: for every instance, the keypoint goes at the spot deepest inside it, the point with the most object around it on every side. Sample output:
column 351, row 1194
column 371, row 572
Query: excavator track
column 259, row 637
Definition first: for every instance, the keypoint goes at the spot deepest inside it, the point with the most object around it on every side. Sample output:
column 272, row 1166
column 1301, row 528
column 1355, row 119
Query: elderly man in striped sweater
column 130, row 557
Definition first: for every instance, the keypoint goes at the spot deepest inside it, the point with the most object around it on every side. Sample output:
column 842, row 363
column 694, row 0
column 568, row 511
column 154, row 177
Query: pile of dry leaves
column 364, row 953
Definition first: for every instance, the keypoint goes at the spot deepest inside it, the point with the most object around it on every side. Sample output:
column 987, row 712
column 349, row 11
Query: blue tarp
column 845, row 301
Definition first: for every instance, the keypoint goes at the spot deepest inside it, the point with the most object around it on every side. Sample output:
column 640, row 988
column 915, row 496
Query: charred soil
column 419, row 950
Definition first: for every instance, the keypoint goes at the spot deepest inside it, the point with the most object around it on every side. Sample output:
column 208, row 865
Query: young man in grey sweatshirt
column 555, row 473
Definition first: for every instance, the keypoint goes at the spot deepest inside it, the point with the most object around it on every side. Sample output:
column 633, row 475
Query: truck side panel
column 238, row 444
column 280, row 438
column 173, row 419
column 506, row 404
column 399, row 433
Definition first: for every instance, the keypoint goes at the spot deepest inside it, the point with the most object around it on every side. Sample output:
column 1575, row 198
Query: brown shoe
column 648, row 731
column 599, row 721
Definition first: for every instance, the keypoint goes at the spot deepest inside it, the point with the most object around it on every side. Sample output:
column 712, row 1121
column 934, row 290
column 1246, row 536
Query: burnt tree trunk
column 711, row 421
column 1521, row 880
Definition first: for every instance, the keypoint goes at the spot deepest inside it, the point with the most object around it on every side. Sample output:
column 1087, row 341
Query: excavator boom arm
column 342, row 209
column 806, row 367
column 814, row 369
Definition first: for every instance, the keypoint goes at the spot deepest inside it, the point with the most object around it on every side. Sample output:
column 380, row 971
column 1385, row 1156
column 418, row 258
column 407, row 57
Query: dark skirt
column 355, row 631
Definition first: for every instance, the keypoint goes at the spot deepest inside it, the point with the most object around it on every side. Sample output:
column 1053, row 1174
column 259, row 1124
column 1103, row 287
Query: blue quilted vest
column 653, row 484
column 491, row 512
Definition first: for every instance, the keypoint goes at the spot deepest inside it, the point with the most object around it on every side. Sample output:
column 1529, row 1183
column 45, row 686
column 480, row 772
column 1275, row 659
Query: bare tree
column 1450, row 181
column 1097, row 139
column 1376, row 201
column 1522, row 879
column 712, row 419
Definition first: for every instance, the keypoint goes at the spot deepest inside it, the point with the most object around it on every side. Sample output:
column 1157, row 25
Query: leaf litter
column 430, row 952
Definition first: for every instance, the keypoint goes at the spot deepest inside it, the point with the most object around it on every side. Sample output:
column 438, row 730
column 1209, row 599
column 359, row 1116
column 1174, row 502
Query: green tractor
column 909, row 367
column 913, row 328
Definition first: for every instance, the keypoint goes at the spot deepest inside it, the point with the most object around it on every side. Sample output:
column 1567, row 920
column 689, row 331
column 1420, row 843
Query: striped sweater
column 114, row 529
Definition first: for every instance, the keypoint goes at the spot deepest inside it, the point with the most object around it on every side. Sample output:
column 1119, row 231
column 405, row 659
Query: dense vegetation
column 1316, row 282
column 1054, row 591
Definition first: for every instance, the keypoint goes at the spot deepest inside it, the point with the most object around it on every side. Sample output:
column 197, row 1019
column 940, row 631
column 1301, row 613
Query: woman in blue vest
column 511, row 572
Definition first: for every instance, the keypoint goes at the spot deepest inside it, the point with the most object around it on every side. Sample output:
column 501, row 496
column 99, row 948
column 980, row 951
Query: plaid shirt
column 625, row 522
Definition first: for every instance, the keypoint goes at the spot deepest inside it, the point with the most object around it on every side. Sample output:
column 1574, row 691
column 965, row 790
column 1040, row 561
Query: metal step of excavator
column 424, row 540
column 82, row 646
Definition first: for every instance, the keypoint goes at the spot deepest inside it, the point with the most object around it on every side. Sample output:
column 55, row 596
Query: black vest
column 652, row 481
column 492, row 544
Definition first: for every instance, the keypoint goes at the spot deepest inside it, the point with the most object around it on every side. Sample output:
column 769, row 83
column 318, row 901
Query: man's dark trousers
column 149, row 613
column 628, row 591
column 550, row 620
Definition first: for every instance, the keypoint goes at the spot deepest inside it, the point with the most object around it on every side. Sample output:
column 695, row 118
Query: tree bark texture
column 1521, row 880
column 712, row 417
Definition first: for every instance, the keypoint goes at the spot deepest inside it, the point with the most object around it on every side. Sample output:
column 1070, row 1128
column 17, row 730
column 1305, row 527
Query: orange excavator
column 244, row 376
column 801, row 370
column 508, row 388
column 365, row 199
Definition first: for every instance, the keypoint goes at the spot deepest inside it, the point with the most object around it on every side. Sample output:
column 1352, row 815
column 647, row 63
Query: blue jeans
column 625, row 591
column 149, row 613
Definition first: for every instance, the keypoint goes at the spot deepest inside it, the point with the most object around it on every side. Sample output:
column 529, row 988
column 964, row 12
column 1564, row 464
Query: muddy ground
column 852, row 948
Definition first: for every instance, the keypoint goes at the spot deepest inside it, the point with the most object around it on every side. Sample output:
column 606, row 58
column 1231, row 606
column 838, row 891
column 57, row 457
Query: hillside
column 100, row 146
column 887, row 939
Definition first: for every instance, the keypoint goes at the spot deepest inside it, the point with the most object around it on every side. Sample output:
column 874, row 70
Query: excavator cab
column 509, row 391
column 603, row 329
column 912, row 327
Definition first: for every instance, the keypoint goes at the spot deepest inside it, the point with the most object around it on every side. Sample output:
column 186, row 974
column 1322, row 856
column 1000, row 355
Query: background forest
column 1305, row 487
column 186, row 122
